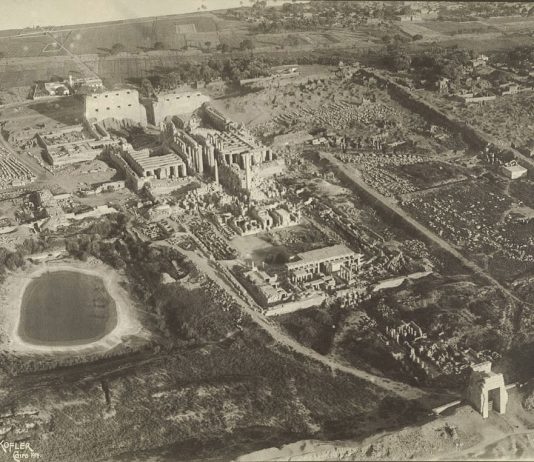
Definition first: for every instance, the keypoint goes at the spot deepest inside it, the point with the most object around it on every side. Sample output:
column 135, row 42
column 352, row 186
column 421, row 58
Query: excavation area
column 66, row 308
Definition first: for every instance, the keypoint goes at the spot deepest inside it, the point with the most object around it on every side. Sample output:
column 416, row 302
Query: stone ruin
column 486, row 390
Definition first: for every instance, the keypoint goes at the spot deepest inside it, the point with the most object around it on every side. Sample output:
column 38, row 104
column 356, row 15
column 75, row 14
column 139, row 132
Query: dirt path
column 401, row 389
column 354, row 175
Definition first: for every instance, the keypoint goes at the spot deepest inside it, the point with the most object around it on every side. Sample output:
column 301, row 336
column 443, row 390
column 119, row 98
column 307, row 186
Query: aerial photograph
column 266, row 230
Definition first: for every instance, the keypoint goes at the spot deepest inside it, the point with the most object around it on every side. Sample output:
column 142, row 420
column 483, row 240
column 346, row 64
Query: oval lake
column 66, row 308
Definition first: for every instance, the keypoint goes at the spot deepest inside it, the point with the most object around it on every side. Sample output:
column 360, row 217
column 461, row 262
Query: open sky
column 15, row 14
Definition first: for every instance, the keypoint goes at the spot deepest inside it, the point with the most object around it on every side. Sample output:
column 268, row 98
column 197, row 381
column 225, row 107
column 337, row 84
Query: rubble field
column 483, row 218
column 507, row 118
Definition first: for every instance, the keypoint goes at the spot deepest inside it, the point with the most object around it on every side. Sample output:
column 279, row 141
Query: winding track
column 398, row 388
column 401, row 389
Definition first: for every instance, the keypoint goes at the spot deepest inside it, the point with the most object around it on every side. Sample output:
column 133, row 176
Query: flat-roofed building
column 160, row 167
column 72, row 145
column 514, row 171
column 328, row 260
column 266, row 288
column 80, row 84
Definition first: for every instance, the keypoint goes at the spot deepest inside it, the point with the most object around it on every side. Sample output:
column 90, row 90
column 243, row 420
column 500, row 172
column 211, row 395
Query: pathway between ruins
column 398, row 388
column 355, row 176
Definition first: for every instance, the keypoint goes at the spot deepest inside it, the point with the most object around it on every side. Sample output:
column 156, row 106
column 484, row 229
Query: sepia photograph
column 266, row 230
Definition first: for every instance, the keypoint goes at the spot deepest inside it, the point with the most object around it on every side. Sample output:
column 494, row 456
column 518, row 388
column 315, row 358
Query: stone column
column 248, row 179
column 216, row 172
column 199, row 160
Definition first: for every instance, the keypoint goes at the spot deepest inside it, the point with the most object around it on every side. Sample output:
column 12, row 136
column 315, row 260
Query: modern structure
column 336, row 259
column 85, row 84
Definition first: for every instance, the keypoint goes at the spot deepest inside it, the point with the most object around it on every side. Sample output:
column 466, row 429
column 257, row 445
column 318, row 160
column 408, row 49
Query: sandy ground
column 12, row 290
column 410, row 443
column 461, row 434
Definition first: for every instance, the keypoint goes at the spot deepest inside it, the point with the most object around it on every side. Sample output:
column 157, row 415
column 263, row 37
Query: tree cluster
column 521, row 56
column 11, row 260
column 176, row 308
column 237, row 67
column 429, row 64
column 228, row 69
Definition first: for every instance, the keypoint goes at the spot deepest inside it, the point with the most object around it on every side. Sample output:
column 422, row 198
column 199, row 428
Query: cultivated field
column 457, row 28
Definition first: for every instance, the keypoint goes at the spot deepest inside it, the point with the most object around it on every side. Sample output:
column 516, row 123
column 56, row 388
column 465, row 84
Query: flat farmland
column 175, row 32
column 511, row 24
column 135, row 35
column 487, row 43
column 415, row 29
column 457, row 28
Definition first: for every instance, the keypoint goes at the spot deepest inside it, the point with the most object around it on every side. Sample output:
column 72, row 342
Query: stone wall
column 119, row 104
column 174, row 104
column 475, row 138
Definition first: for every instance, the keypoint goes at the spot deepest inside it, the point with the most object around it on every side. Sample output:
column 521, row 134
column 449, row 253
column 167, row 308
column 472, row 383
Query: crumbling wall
column 175, row 104
column 411, row 101
column 231, row 179
column 471, row 136
column 475, row 138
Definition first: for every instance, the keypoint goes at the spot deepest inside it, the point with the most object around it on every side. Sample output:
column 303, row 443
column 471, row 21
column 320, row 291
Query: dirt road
column 354, row 176
column 401, row 389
